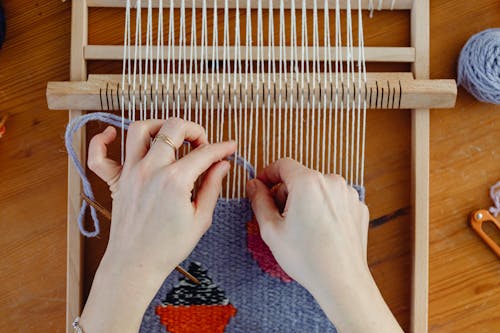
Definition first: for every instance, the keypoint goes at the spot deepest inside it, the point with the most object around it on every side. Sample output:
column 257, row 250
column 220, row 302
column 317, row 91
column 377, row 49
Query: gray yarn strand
column 75, row 125
column 111, row 119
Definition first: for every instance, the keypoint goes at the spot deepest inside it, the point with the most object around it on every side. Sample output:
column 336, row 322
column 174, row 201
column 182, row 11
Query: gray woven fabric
column 264, row 304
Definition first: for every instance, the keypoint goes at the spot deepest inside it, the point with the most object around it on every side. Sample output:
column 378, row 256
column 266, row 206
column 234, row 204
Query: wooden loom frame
column 417, row 54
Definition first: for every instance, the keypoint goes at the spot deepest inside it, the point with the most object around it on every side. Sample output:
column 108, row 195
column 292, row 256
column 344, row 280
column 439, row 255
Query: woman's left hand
column 155, row 221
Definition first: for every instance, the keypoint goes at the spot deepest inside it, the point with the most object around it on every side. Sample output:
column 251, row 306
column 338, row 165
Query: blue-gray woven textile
column 264, row 304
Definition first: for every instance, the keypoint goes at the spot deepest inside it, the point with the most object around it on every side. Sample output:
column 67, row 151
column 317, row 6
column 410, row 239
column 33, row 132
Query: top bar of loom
column 398, row 5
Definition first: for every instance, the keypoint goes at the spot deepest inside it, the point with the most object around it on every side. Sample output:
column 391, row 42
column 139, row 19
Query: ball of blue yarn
column 479, row 66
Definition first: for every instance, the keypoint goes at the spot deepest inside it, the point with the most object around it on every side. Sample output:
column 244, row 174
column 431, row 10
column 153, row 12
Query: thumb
column 264, row 207
column 98, row 160
column 209, row 191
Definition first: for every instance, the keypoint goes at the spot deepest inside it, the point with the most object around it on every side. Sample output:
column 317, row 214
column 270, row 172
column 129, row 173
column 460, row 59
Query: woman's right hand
column 316, row 228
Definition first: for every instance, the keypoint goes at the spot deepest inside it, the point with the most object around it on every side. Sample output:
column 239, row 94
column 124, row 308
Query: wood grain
column 464, row 273
column 33, row 169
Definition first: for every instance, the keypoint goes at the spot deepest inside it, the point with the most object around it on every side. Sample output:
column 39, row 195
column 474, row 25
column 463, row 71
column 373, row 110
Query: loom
column 289, row 79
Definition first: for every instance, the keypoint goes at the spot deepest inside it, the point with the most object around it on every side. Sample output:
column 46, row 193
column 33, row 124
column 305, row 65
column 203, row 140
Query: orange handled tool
column 476, row 221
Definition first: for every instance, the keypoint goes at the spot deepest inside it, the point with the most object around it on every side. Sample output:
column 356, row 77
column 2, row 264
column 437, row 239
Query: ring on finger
column 165, row 139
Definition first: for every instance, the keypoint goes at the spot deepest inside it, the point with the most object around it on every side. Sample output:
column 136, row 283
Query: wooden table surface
column 464, row 274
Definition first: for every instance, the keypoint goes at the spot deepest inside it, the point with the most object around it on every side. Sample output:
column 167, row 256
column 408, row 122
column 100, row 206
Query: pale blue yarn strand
column 479, row 66
column 75, row 125
column 111, row 119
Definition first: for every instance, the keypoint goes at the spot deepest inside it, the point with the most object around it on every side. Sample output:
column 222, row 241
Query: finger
column 177, row 131
column 263, row 206
column 365, row 225
column 199, row 160
column 280, row 194
column 283, row 170
column 139, row 139
column 208, row 193
column 98, row 161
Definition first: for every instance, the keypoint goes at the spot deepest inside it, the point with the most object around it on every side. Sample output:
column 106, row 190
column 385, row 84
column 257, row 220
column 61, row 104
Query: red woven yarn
column 195, row 318
column 262, row 254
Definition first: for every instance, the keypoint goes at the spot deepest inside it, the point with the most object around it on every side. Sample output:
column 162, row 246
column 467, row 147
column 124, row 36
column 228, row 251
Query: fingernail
column 108, row 130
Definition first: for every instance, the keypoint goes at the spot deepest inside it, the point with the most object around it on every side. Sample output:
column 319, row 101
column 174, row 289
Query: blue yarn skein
column 479, row 66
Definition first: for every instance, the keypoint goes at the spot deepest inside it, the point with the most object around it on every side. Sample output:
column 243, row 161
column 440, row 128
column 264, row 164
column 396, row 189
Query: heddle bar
column 371, row 54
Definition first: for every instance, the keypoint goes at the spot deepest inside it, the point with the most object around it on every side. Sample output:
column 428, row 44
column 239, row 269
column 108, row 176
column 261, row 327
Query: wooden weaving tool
column 282, row 81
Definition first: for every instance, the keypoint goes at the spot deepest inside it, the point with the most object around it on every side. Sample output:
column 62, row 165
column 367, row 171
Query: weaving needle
column 107, row 215
column 97, row 206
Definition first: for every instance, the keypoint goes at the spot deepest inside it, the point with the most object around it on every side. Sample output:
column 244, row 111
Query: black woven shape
column 189, row 293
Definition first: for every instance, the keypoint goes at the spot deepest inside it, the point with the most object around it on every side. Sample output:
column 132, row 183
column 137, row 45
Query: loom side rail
column 75, row 243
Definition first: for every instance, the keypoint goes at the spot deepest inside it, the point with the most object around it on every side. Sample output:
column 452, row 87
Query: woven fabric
column 262, row 303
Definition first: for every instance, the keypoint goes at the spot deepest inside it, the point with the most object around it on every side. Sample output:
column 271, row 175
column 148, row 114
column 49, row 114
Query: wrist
column 356, row 305
column 119, row 296
column 336, row 279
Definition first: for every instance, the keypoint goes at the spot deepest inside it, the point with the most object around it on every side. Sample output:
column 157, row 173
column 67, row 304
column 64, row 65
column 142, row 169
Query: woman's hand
column 155, row 222
column 314, row 224
column 316, row 228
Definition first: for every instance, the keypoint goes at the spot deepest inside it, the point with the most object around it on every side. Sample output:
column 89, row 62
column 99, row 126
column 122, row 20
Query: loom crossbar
column 372, row 54
column 380, row 91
